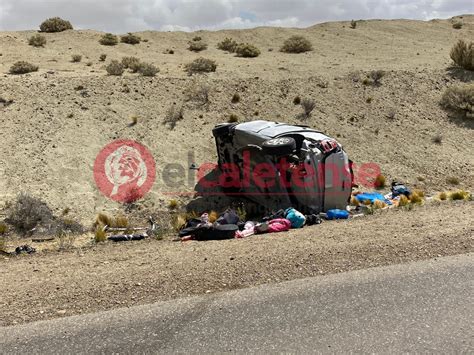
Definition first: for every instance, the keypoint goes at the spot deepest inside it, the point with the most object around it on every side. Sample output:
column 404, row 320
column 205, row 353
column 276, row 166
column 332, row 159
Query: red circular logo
column 124, row 170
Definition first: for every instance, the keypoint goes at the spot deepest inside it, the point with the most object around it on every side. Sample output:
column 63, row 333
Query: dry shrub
column 108, row 39
column 459, row 98
column 132, row 63
column 197, row 38
column 197, row 46
column 452, row 180
column 172, row 204
column 235, row 98
column 438, row 139
column 121, row 222
column 173, row 115
column 148, row 69
column 379, row 204
column 457, row 25
column 198, row 93
column 297, row 100
column 228, row 44
column 55, row 24
column 201, row 65
column 178, row 221
column 296, row 44
column 130, row 38
column 376, row 76
column 99, row 234
column 105, row 220
column 380, row 181
column 103, row 57
column 416, row 197
column 247, row 50
column 115, row 68
column 3, row 228
column 26, row 212
column 37, row 40
column 353, row 24
column 443, row 196
column 308, row 106
column 463, row 54
column 23, row 67
column 459, row 195
column 76, row 58
column 403, row 201
column 233, row 118
column 3, row 244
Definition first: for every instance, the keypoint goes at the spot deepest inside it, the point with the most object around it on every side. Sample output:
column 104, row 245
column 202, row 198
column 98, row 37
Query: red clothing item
column 279, row 225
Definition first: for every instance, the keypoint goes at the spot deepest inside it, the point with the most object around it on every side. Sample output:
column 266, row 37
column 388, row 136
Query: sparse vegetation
column 297, row 100
column 403, row 201
column 55, row 24
column 462, row 54
column 228, row 45
column 459, row 98
column 147, row 69
column 76, row 58
column 37, row 40
column 296, row 44
column 173, row 116
column 443, row 196
column 235, row 98
column 197, row 38
column 103, row 57
column 198, row 93
column 376, row 76
column 416, row 197
column 172, row 204
column 201, row 65
column 438, row 139
column 99, row 234
column 3, row 228
column 247, row 50
column 353, row 24
column 457, row 24
column 108, row 39
column 197, row 46
column 115, row 68
column 134, row 120
column 459, row 195
column 27, row 212
column 452, row 180
column 130, row 38
column 23, row 67
column 132, row 63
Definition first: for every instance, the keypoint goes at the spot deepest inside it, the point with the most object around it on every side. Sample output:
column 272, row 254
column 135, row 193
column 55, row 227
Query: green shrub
column 115, row 68
column 76, row 58
column 459, row 98
column 130, row 38
column 197, row 46
column 201, row 65
column 55, row 24
column 463, row 54
column 147, row 69
column 132, row 63
column 108, row 39
column 246, row 50
column 23, row 67
column 228, row 44
column 296, row 44
column 37, row 40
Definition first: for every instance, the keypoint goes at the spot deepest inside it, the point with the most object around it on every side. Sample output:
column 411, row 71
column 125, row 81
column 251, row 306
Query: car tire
column 223, row 129
column 279, row 146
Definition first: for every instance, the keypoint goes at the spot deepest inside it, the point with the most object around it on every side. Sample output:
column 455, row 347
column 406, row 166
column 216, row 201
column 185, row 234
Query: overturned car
column 278, row 165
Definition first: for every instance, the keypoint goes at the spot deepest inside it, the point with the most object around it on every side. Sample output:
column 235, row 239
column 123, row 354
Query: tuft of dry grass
column 380, row 181
column 235, row 98
column 3, row 228
column 459, row 195
column 173, row 116
column 37, row 40
column 233, row 118
column 462, row 54
column 99, row 235
column 76, row 58
column 173, row 204
column 296, row 44
column 404, row 201
column 443, row 196
column 416, row 198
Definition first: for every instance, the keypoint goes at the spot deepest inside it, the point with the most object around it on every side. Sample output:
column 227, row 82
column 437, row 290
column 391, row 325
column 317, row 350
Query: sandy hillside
column 52, row 131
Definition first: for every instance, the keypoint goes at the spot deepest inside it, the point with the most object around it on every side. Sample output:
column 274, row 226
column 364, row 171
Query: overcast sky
column 136, row 15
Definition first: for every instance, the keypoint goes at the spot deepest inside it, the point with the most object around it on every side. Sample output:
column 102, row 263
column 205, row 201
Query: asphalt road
column 420, row 307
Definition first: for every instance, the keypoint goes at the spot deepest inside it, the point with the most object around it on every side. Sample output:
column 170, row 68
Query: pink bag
column 279, row 225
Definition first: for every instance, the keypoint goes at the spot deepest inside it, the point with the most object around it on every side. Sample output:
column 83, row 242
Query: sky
column 121, row 16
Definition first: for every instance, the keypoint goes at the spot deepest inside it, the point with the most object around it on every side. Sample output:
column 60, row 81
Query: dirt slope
column 52, row 132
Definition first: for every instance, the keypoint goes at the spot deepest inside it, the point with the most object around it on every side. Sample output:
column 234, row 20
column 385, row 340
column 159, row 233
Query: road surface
column 419, row 307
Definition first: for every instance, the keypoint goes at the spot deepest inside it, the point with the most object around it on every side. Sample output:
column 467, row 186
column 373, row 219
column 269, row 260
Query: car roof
column 273, row 129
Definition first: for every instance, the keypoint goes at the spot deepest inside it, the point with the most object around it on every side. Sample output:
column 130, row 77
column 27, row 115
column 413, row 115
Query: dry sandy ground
column 52, row 133
column 107, row 276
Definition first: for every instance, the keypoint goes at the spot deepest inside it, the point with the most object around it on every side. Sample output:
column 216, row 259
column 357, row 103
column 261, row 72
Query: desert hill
column 63, row 114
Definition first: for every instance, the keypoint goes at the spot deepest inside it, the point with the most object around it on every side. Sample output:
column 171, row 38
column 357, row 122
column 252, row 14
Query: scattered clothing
column 274, row 215
column 371, row 197
column 313, row 219
column 24, row 249
column 296, row 218
column 399, row 189
column 249, row 229
column 279, row 225
column 337, row 214
column 126, row 237
column 228, row 217
column 261, row 227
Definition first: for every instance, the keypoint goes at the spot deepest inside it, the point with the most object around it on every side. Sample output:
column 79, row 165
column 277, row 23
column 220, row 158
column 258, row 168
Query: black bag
column 228, row 217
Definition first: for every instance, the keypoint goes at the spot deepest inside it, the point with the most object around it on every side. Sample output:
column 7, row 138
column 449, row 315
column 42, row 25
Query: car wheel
column 279, row 146
column 223, row 129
